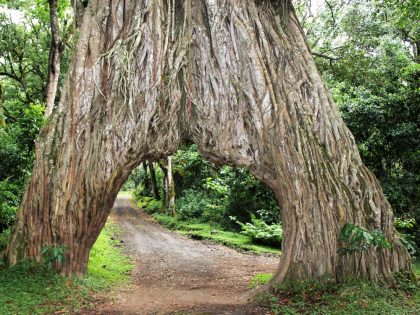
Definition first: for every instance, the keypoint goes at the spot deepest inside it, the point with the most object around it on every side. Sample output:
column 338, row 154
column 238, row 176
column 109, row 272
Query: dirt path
column 177, row 275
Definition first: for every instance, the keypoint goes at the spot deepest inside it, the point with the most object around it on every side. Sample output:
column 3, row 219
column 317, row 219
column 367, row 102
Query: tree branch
column 317, row 54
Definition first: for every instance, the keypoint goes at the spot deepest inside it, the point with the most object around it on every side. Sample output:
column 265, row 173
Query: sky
column 15, row 15
column 316, row 5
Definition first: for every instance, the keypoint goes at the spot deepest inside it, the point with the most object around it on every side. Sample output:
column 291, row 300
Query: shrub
column 52, row 255
column 248, row 196
column 261, row 232
column 4, row 237
column 9, row 202
column 192, row 204
column 357, row 239
column 405, row 229
column 149, row 204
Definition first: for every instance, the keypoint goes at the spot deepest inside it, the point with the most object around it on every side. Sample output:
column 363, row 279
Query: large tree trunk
column 78, row 9
column 236, row 78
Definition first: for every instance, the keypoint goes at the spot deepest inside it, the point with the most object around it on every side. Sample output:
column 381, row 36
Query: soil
column 178, row 275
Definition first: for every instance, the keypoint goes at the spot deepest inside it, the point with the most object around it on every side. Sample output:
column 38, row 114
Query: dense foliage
column 367, row 52
column 223, row 196
column 24, row 48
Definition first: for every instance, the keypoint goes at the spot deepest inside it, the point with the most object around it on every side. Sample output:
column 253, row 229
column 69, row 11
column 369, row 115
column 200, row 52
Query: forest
column 367, row 54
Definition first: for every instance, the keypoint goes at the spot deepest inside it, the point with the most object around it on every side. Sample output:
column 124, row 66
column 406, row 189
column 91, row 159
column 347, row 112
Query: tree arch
column 236, row 78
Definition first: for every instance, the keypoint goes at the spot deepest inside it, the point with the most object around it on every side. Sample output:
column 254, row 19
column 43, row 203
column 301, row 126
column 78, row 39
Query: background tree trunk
column 153, row 181
column 236, row 78
column 164, row 182
column 171, row 188
column 54, row 59
column 146, row 178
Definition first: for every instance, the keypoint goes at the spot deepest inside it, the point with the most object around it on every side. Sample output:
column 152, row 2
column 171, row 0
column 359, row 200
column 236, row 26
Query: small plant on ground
column 405, row 229
column 357, row 239
column 52, row 255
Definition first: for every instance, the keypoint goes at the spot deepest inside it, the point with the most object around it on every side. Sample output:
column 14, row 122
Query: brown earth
column 178, row 275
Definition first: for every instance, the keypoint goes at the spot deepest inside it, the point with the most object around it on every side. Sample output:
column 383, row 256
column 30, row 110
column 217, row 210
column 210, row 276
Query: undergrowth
column 206, row 231
column 203, row 231
column 30, row 288
column 354, row 297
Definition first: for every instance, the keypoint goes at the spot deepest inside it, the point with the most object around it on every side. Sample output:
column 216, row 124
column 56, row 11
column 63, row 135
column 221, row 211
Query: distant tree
column 24, row 46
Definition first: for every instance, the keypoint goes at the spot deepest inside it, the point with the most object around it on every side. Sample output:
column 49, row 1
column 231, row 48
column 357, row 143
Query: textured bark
column 54, row 59
column 79, row 9
column 236, row 78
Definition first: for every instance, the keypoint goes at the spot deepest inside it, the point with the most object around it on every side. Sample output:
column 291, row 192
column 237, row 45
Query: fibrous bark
column 236, row 78
column 78, row 9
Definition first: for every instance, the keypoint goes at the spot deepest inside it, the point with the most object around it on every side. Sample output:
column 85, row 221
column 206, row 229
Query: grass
column 198, row 230
column 351, row 298
column 30, row 288
column 259, row 279
column 108, row 266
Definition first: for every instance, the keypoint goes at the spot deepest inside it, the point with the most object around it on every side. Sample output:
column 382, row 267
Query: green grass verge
column 198, row 230
column 353, row 297
column 108, row 266
column 29, row 288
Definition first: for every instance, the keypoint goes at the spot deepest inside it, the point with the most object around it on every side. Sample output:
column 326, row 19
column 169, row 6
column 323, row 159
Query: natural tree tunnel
column 236, row 78
column 178, row 274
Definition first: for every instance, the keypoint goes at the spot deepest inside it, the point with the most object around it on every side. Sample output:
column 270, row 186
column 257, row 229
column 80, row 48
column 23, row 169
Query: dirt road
column 177, row 275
